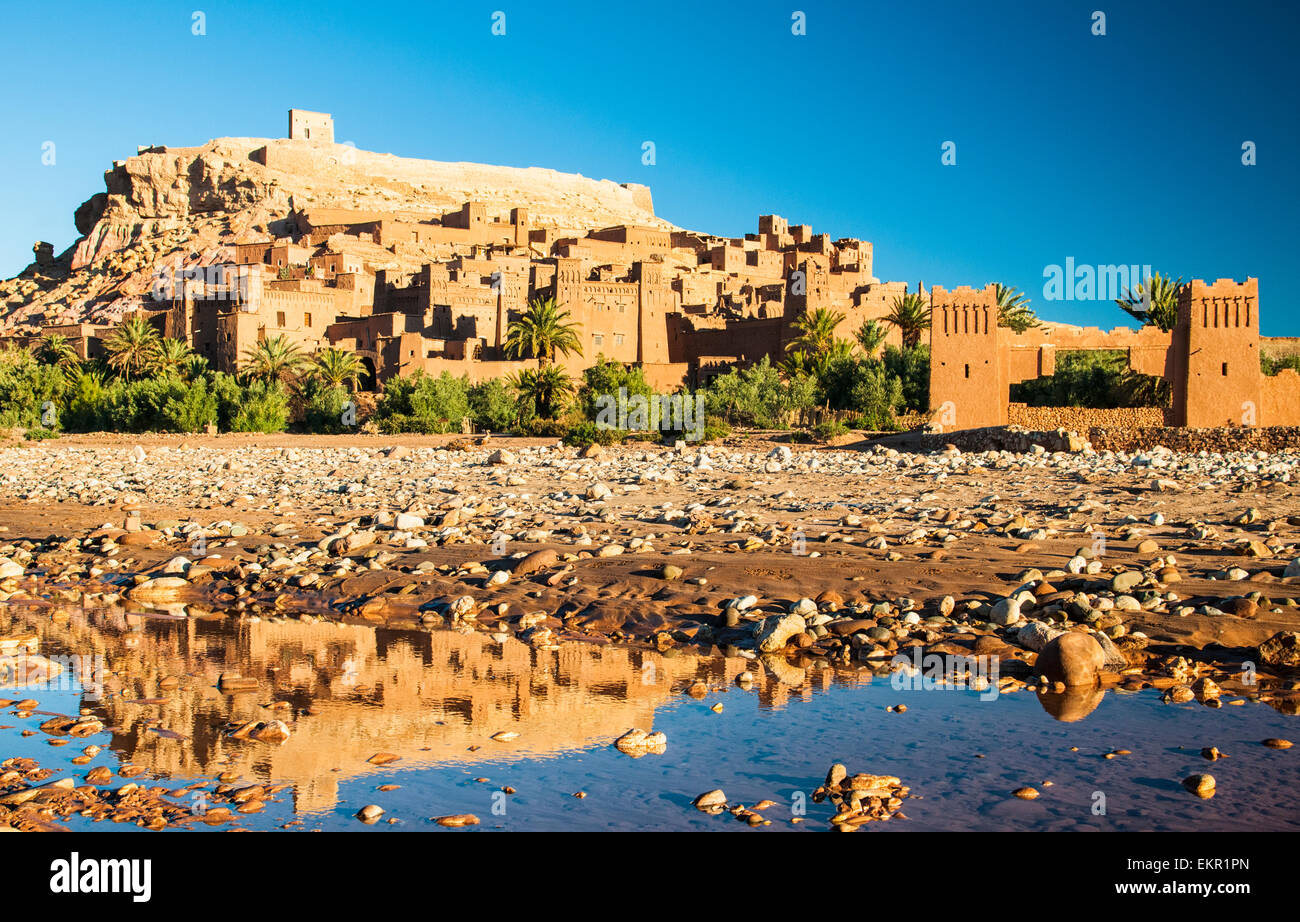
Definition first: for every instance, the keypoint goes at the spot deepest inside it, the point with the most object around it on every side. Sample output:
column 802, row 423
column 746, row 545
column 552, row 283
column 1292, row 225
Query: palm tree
column 816, row 331
column 274, row 359
column 542, row 332
column 1160, row 307
column 869, row 336
column 56, row 349
column 133, row 347
column 337, row 367
column 174, row 355
column 547, row 389
column 1013, row 309
column 911, row 315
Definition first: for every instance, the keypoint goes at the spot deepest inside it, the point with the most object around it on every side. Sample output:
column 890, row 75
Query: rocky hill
column 187, row 206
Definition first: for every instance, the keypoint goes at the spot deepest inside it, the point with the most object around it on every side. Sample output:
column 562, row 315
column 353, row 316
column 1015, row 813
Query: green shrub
column 421, row 403
column 25, row 387
column 1271, row 364
column 323, row 406
column 264, row 407
column 1097, row 378
column 37, row 435
column 755, row 396
column 493, row 405
column 190, row 410
column 912, row 369
column 588, row 433
column 829, row 429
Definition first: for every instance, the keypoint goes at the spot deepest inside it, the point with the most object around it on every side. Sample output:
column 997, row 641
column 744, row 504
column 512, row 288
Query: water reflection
column 351, row 691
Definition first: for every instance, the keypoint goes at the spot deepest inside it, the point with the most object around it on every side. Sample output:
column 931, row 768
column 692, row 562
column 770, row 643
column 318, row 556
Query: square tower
column 1218, row 379
column 969, row 385
column 310, row 126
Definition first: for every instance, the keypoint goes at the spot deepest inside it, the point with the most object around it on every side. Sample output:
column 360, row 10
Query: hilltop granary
column 436, row 290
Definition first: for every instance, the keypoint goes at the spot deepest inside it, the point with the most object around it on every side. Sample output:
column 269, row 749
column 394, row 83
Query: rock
column 710, row 800
column 1282, row 649
column 670, row 572
column 370, row 813
column 1034, row 635
column 1275, row 743
column 1204, row 689
column 159, row 589
column 537, row 560
column 501, row 456
column 1292, row 569
column 1200, row 785
column 1072, row 658
column 404, row 521
column 1006, row 612
column 1127, row 580
column 457, row 820
column 1178, row 694
column 137, row 454
column 775, row 631
column 1026, row 793
column 9, row 569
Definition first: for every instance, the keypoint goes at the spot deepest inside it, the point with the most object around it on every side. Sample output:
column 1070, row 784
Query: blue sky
column 1124, row 148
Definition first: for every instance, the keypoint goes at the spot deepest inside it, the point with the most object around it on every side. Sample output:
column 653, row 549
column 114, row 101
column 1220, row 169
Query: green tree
column 274, row 359
column 56, row 349
column 133, row 348
column 174, row 356
column 911, row 315
column 543, row 332
column 337, row 367
column 545, row 390
column 1154, row 303
column 816, row 331
column 1013, row 309
column 870, row 335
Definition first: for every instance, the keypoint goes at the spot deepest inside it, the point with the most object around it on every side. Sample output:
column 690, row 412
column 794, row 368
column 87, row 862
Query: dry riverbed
column 1158, row 573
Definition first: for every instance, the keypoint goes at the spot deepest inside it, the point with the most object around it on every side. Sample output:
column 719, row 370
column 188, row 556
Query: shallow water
column 435, row 699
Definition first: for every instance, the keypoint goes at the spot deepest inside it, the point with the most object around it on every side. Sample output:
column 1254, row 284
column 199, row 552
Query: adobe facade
column 1211, row 358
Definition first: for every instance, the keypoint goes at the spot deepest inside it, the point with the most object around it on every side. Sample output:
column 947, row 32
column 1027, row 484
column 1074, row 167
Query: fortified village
column 425, row 289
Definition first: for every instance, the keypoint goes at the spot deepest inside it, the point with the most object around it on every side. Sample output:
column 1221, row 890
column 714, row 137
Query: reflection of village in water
column 351, row 691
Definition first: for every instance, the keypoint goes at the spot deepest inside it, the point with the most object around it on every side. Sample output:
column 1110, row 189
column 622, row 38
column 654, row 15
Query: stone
column 1282, row 649
column 775, row 631
column 1127, row 580
column 1006, row 612
column 537, row 560
column 1201, row 785
column 710, row 800
column 1072, row 658
column 9, row 569
column 501, row 456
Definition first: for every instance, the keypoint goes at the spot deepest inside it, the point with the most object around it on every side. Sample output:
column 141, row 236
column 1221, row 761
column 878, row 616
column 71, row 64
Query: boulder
column 1282, row 649
column 775, row 631
column 1072, row 658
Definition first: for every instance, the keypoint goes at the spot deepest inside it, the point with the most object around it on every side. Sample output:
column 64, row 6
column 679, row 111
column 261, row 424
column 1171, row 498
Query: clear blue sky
column 1124, row 148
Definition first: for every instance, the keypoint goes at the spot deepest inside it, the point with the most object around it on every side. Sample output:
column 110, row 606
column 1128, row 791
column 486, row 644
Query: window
column 279, row 319
column 618, row 339
column 1225, row 369
column 306, row 320
column 968, row 371
column 597, row 339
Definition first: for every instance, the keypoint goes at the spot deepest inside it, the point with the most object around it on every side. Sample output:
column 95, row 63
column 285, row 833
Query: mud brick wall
column 1080, row 419
column 1264, row 438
